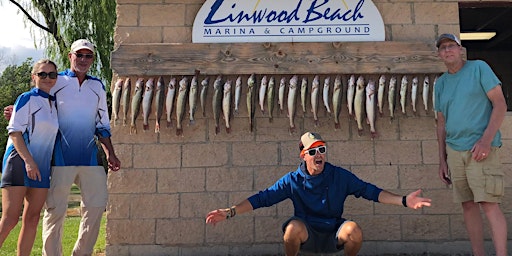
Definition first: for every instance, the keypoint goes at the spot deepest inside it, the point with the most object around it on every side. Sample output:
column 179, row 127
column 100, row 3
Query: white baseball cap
column 82, row 44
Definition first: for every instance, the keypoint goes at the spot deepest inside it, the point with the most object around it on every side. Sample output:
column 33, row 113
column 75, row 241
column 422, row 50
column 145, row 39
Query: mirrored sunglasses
column 44, row 75
column 313, row 151
column 82, row 55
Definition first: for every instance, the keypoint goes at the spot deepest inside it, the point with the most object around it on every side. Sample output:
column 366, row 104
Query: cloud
column 17, row 55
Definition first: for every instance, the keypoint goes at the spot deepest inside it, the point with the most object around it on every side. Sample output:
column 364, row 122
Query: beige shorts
column 476, row 181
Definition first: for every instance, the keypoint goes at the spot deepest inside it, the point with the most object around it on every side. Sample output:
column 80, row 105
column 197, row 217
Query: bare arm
column 444, row 174
column 113, row 162
column 412, row 200
column 219, row 215
column 30, row 165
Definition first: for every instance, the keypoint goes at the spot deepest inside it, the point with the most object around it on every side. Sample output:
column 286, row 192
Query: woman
column 26, row 165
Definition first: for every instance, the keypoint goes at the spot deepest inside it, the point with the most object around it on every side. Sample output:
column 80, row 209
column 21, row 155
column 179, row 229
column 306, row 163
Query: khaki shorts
column 476, row 181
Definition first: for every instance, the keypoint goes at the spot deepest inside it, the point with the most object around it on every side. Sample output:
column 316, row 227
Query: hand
column 33, row 171
column 113, row 163
column 481, row 150
column 444, row 174
column 415, row 202
column 216, row 216
column 8, row 112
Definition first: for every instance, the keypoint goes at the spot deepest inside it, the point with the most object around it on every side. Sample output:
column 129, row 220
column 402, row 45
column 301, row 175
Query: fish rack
column 184, row 63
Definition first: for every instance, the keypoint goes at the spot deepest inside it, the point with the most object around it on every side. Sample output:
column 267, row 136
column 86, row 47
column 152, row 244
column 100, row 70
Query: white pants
column 92, row 181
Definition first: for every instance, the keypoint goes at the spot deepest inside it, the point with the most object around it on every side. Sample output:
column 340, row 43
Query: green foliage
column 14, row 80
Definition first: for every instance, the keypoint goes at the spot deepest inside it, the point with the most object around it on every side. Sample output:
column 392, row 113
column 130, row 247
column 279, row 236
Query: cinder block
column 229, row 179
column 130, row 180
column 172, row 180
column 395, row 13
column 127, row 15
column 130, row 35
column 118, row 206
column 254, row 154
column 397, row 152
column 157, row 156
column 413, row 177
column 180, row 231
column 373, row 228
column 154, row 206
column 197, row 205
column 152, row 15
column 268, row 229
column 129, row 231
column 425, row 227
column 436, row 12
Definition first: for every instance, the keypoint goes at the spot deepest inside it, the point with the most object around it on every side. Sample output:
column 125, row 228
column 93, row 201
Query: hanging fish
column 282, row 86
column 192, row 100
column 169, row 100
column 116, row 100
column 358, row 104
column 315, row 87
column 403, row 93
column 325, row 94
column 350, row 95
column 159, row 102
column 238, row 92
column 147, row 100
column 434, row 98
column 136, row 102
column 370, row 107
column 226, row 104
column 391, row 97
column 180, row 105
column 336, row 100
column 125, row 100
column 303, row 94
column 251, row 93
column 263, row 91
column 414, row 93
column 217, row 101
column 270, row 98
column 204, row 92
column 292, row 95
column 380, row 94
column 425, row 91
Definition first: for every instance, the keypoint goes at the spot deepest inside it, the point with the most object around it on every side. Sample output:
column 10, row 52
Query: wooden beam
column 276, row 58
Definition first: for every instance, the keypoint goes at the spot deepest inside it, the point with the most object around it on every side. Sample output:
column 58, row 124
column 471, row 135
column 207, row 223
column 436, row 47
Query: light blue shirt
column 462, row 99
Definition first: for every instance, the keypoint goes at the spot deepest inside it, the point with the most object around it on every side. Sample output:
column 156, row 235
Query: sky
column 16, row 43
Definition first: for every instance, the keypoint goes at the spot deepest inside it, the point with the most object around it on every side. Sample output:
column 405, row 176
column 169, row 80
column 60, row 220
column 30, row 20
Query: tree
column 14, row 80
column 68, row 20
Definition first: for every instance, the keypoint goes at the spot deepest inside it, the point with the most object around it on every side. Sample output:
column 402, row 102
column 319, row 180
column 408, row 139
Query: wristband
column 404, row 201
column 231, row 213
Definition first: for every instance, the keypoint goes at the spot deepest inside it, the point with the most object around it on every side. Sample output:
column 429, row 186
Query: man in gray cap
column 471, row 108
column 318, row 191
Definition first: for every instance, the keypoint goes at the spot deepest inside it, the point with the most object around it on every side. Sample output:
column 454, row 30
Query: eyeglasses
column 82, row 55
column 44, row 75
column 448, row 47
column 313, row 151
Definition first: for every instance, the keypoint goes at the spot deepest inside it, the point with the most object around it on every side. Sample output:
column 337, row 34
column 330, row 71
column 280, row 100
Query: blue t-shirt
column 319, row 200
column 83, row 115
column 462, row 99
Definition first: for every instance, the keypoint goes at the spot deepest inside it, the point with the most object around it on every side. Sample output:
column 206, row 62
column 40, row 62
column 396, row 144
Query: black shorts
column 318, row 242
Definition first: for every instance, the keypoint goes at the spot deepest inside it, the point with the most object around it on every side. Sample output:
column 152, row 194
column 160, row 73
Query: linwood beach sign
column 226, row 21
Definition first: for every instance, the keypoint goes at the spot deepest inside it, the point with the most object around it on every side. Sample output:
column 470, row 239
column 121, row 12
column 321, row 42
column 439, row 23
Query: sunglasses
column 82, row 55
column 44, row 75
column 313, row 151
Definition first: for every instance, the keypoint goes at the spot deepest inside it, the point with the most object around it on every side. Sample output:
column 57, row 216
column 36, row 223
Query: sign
column 228, row 21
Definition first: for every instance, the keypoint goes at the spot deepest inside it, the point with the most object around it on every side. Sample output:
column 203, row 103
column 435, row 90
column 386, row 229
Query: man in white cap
column 471, row 108
column 318, row 191
column 83, row 119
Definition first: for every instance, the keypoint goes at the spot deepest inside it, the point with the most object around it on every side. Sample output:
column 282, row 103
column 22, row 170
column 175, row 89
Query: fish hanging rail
column 276, row 58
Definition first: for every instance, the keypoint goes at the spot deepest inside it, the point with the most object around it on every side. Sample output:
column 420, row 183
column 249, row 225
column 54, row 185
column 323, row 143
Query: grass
column 69, row 236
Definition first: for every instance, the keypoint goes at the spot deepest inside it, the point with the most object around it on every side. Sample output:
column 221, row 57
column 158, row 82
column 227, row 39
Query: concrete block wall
column 168, row 183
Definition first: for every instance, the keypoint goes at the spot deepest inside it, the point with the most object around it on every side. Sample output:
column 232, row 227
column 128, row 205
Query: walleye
column 292, row 92
column 270, row 98
column 169, row 100
column 403, row 93
column 251, row 91
column 263, row 90
column 147, row 100
column 380, row 94
column 192, row 100
column 116, row 100
column 303, row 94
column 282, row 86
column 315, row 87
column 217, row 101
column 425, row 92
column 391, row 97
column 125, row 100
column 350, row 95
column 238, row 92
column 226, row 104
column 325, row 94
column 414, row 93
column 180, row 105
column 203, row 94
column 358, row 104
column 434, row 98
column 159, row 102
column 370, row 107
column 336, row 100
column 136, row 101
